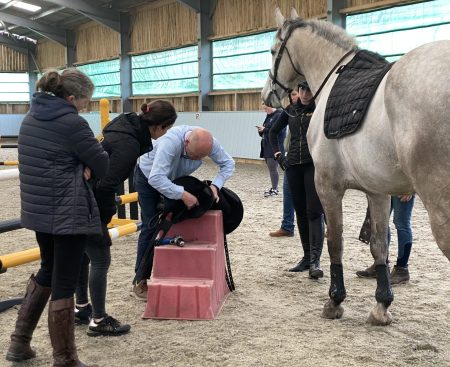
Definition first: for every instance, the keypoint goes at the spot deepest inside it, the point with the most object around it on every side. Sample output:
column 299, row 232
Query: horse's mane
column 326, row 30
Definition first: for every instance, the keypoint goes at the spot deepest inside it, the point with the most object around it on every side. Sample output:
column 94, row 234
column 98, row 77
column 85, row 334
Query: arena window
column 106, row 77
column 167, row 72
column 393, row 32
column 14, row 87
column 242, row 62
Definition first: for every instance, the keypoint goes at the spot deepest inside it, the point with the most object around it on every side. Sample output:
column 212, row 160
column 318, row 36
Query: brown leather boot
column 62, row 333
column 30, row 312
column 280, row 232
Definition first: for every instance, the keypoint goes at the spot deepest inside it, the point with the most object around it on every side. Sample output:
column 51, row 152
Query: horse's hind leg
column 332, row 204
column 379, row 216
column 437, row 203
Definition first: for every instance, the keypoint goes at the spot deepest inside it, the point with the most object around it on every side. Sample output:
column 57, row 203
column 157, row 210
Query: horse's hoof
column 332, row 311
column 379, row 316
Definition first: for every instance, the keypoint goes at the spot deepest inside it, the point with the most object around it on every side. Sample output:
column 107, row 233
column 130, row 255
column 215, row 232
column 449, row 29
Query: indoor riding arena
column 211, row 59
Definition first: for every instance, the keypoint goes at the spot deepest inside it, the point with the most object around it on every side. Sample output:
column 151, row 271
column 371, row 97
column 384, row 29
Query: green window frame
column 106, row 77
column 394, row 31
column 166, row 72
column 242, row 62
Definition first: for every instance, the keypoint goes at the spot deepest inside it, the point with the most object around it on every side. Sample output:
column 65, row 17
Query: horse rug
column 352, row 92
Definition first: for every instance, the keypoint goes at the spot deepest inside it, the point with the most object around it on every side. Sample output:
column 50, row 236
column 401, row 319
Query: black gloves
column 282, row 161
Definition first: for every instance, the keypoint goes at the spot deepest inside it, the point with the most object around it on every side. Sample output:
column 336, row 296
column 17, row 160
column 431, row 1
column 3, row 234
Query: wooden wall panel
column 224, row 102
column 96, row 42
column 233, row 17
column 14, row 108
column 181, row 104
column 115, row 105
column 377, row 3
column 163, row 25
column 11, row 60
column 249, row 102
column 50, row 55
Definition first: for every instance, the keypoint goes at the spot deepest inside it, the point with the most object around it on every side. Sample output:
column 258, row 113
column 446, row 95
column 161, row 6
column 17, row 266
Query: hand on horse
column 282, row 161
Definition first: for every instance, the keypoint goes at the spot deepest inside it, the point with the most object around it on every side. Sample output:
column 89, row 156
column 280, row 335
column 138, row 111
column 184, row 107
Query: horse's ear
column 279, row 17
column 294, row 14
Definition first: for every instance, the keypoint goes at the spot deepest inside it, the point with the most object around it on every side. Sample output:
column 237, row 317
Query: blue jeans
column 149, row 199
column 402, row 221
column 288, row 208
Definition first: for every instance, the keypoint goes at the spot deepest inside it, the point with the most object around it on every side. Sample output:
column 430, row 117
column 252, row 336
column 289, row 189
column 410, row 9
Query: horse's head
column 284, row 76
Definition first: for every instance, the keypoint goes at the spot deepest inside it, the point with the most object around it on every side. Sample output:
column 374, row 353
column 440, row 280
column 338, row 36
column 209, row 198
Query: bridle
column 273, row 77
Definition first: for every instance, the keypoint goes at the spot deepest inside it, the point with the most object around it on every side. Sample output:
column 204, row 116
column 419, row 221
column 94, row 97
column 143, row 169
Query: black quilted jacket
column 55, row 144
column 298, row 122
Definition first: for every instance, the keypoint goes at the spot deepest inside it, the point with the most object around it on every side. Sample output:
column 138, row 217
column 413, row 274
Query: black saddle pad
column 352, row 92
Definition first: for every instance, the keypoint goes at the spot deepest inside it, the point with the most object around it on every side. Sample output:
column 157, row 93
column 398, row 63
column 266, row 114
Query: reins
column 331, row 72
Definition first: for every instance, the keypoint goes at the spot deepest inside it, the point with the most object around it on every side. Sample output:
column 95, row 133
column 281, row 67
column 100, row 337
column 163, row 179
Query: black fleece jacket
column 125, row 138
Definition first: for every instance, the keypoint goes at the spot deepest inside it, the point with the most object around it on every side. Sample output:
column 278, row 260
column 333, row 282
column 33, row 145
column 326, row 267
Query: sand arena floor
column 273, row 317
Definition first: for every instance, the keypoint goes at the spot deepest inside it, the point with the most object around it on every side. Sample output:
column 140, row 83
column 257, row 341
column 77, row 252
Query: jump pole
column 127, row 198
column 8, row 145
column 9, row 163
column 104, row 112
column 26, row 256
column 6, row 174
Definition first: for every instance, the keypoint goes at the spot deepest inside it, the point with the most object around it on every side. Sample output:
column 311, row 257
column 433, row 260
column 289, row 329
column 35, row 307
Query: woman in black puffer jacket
column 125, row 139
column 299, row 168
column 58, row 153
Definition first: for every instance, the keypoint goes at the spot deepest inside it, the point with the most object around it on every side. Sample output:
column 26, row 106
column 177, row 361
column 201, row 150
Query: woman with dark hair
column 58, row 153
column 125, row 138
column 299, row 169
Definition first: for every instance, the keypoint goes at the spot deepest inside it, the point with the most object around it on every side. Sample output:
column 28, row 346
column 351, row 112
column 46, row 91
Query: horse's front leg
column 332, row 204
column 379, row 206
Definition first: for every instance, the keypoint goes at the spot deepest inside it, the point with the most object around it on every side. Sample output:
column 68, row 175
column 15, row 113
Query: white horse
column 403, row 145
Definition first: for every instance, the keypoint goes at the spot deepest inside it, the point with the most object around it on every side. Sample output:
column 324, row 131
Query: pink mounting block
column 188, row 283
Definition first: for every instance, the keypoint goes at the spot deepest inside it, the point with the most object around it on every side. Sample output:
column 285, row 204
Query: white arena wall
column 235, row 130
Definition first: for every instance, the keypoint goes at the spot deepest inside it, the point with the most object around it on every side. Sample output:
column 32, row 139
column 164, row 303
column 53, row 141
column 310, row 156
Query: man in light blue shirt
column 178, row 153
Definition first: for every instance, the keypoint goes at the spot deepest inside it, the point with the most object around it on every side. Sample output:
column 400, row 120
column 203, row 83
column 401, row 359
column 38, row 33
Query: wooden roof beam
column 53, row 34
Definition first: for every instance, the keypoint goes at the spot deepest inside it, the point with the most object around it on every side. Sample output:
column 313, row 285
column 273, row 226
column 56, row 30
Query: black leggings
column 61, row 257
column 307, row 205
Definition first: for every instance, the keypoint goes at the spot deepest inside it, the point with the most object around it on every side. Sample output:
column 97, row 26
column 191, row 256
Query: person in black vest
column 125, row 139
column 299, row 169
column 58, row 154
column 267, row 150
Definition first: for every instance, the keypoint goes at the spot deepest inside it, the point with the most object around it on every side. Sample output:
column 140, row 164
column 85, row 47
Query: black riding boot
column 316, row 237
column 303, row 229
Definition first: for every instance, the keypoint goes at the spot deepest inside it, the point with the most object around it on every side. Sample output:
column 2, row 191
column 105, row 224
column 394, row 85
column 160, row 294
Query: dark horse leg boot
column 30, row 312
column 62, row 333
